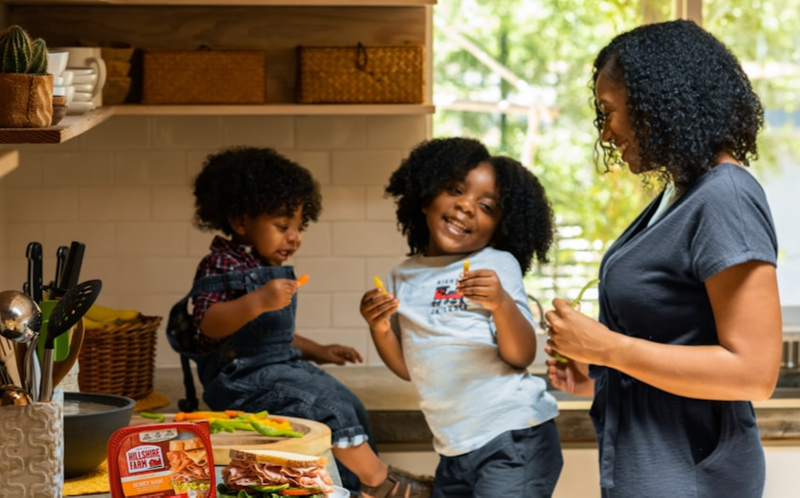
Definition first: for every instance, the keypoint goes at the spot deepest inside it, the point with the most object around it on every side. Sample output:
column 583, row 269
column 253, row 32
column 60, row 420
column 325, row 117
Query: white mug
column 82, row 57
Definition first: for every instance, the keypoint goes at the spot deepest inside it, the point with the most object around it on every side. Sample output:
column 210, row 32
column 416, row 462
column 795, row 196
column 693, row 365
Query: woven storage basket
column 120, row 359
column 204, row 77
column 360, row 74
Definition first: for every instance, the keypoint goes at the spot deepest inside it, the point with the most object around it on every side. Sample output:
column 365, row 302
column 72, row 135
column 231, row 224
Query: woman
column 690, row 324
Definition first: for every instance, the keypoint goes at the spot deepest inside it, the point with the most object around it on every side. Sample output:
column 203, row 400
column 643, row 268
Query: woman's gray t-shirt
column 653, row 443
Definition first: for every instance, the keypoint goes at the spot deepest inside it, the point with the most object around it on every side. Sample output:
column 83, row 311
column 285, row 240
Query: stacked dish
column 85, row 84
column 88, row 77
column 63, row 91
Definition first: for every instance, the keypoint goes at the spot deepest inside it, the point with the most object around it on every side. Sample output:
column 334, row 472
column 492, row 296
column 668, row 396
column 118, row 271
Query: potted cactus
column 26, row 90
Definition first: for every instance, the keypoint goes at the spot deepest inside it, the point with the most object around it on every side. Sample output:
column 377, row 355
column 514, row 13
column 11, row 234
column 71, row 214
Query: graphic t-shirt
column 468, row 394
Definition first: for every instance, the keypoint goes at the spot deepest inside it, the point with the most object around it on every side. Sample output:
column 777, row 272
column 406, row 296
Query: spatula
column 69, row 310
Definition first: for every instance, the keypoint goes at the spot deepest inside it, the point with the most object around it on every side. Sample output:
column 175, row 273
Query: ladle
column 14, row 396
column 20, row 316
column 20, row 321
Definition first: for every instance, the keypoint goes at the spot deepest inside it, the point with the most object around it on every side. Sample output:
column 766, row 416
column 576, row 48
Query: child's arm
column 226, row 317
column 516, row 337
column 329, row 353
column 377, row 308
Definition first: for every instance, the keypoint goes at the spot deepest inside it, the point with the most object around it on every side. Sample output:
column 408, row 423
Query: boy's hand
column 376, row 308
column 484, row 287
column 338, row 354
column 277, row 293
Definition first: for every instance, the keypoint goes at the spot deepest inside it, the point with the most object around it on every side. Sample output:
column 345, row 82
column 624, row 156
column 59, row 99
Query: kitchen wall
column 124, row 189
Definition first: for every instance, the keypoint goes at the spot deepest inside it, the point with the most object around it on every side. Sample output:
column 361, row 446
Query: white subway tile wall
column 124, row 189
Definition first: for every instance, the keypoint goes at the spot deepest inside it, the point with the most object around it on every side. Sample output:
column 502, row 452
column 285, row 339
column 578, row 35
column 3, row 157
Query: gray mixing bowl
column 89, row 421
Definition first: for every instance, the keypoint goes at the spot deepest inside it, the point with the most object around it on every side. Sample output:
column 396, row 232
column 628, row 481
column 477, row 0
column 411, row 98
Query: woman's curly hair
column 526, row 222
column 252, row 181
column 688, row 98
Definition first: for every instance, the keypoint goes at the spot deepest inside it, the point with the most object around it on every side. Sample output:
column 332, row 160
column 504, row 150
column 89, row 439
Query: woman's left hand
column 484, row 287
column 338, row 354
column 576, row 336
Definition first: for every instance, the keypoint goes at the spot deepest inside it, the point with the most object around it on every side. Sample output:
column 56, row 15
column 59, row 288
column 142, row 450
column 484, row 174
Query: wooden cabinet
column 275, row 26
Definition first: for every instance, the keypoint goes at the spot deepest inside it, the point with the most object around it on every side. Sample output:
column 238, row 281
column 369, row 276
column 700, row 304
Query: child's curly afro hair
column 688, row 98
column 526, row 224
column 252, row 181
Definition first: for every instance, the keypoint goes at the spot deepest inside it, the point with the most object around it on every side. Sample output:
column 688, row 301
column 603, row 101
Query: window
column 515, row 74
column 764, row 35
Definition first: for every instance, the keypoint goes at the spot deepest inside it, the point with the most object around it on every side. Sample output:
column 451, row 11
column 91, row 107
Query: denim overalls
column 257, row 368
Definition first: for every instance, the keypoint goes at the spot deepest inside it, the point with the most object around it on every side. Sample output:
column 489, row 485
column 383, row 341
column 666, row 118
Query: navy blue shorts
column 525, row 462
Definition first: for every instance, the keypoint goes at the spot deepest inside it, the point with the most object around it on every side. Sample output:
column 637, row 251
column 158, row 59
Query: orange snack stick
column 379, row 285
column 187, row 416
column 466, row 265
column 302, row 280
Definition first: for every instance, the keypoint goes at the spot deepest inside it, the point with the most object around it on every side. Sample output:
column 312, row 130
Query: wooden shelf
column 274, row 110
column 275, row 26
column 286, row 3
column 72, row 126
column 69, row 127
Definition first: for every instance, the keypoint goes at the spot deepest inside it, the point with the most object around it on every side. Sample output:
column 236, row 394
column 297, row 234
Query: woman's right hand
column 277, row 293
column 571, row 376
column 376, row 308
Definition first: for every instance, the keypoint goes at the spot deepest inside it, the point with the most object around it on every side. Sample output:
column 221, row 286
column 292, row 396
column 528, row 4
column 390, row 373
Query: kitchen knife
column 72, row 268
column 28, row 287
column 61, row 260
column 36, row 285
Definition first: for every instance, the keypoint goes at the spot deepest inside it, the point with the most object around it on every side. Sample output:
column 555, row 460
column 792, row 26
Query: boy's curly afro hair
column 688, row 98
column 252, row 181
column 526, row 225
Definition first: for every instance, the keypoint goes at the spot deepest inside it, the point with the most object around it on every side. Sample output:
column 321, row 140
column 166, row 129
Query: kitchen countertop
column 398, row 423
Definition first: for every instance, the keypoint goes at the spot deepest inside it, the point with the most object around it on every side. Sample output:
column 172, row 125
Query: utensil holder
column 32, row 449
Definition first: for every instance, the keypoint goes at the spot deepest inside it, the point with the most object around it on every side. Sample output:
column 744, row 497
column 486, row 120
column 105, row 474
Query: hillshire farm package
column 159, row 460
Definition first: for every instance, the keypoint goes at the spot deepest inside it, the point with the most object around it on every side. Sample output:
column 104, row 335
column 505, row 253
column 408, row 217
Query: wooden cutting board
column 315, row 441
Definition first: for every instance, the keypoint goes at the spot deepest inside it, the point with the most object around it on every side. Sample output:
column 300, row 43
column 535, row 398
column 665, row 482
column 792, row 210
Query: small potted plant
column 26, row 90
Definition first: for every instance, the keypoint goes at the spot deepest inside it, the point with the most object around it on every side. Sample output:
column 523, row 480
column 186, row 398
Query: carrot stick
column 302, row 280
column 181, row 416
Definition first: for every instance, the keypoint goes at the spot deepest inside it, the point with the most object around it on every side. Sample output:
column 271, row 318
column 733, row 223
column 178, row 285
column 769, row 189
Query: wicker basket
column 204, row 77
column 360, row 74
column 120, row 359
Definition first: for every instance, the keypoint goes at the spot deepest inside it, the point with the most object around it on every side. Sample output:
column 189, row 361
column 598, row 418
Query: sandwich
column 275, row 474
column 189, row 468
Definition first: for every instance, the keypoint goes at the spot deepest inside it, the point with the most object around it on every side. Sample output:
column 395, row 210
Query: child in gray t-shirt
column 454, row 318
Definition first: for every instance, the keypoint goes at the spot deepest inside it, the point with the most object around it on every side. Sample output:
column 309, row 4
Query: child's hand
column 277, row 293
column 338, row 354
column 376, row 308
column 484, row 287
column 571, row 377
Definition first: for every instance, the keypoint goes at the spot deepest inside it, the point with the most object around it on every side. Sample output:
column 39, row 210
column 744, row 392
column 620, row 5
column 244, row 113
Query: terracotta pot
column 26, row 100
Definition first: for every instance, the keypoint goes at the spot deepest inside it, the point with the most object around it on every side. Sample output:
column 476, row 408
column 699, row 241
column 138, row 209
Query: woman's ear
column 238, row 225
